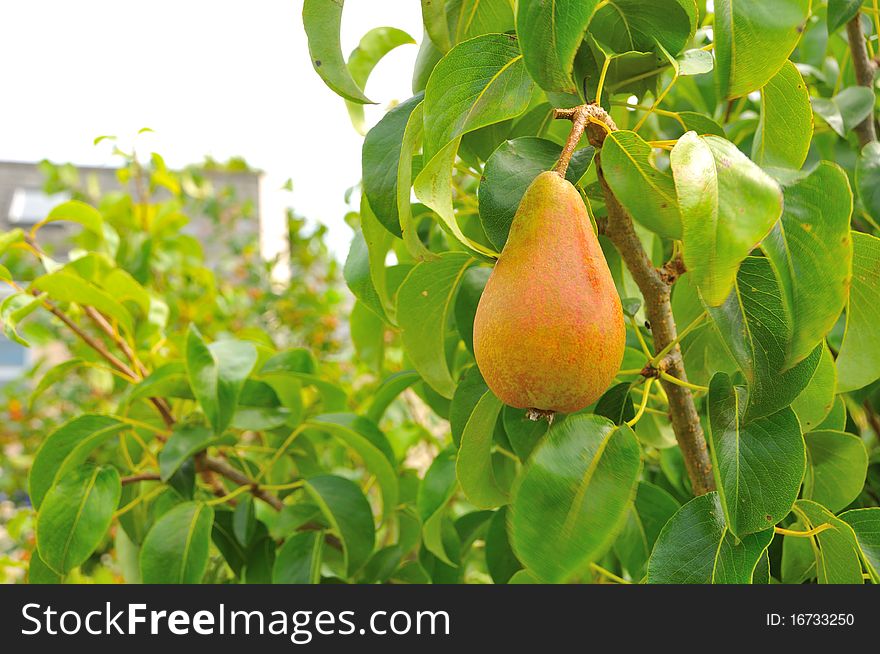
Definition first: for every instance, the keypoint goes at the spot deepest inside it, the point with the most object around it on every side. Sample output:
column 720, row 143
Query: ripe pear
column 549, row 332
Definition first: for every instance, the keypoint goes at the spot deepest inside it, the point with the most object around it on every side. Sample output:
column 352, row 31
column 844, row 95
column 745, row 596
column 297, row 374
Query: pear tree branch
column 655, row 285
column 864, row 69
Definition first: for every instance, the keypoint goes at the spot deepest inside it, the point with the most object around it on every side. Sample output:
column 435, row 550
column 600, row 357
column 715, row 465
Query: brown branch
column 864, row 69
column 655, row 287
column 656, row 291
column 144, row 476
column 105, row 326
column 161, row 405
column 226, row 470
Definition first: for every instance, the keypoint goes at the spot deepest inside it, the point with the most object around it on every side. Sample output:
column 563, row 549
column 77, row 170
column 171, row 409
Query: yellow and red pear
column 549, row 332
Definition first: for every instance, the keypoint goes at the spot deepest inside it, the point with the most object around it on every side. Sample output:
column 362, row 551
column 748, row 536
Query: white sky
column 218, row 77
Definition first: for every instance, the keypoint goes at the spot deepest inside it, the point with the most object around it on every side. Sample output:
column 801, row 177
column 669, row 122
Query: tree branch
column 655, row 287
column 144, row 476
column 864, row 69
column 226, row 470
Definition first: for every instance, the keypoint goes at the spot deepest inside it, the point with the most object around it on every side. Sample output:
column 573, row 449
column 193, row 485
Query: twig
column 580, row 117
column 864, row 69
column 224, row 469
column 144, row 476
column 658, row 309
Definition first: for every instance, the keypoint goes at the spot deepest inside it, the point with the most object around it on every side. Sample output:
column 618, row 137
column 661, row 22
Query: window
column 13, row 357
column 30, row 205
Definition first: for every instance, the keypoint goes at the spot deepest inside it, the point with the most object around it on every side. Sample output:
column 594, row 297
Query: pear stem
column 655, row 286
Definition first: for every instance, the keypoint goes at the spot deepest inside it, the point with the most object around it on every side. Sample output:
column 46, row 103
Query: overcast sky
column 218, row 77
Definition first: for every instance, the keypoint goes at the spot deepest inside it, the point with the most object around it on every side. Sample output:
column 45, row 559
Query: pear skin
column 549, row 331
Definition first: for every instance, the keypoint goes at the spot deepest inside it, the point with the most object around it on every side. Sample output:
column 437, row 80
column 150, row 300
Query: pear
column 549, row 332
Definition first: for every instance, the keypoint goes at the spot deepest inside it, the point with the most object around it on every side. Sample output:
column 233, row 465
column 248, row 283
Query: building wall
column 17, row 178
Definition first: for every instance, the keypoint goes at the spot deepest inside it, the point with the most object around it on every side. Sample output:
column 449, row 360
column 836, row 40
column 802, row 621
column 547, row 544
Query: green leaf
column 469, row 293
column 77, row 212
column 783, row 136
column 616, row 404
column 71, row 441
column 367, row 331
column 217, row 373
column 645, row 192
column 858, row 363
column 474, row 468
column 386, row 393
column 168, row 380
column 13, row 309
column 524, row 434
column 322, row 19
column 358, row 275
column 653, row 508
column 501, row 562
column 244, row 520
column 696, row 547
column 836, row 419
column 756, row 329
column 40, row 573
column 865, row 524
column 696, row 62
column 810, row 250
column 702, row 125
column 374, row 45
column 837, row 463
column 817, row 399
column 580, row 480
column 630, row 72
column 835, row 550
column 184, row 442
column 728, row 205
column 470, row 389
column 176, row 548
column 626, row 25
column 57, row 373
column 280, row 371
column 75, row 515
column 510, row 170
column 348, row 512
column 380, row 159
column 379, row 241
column 427, row 58
column 840, row 12
column 524, row 577
column 550, row 34
column 64, row 286
column 436, row 24
column 868, row 179
column 299, row 559
column 365, row 438
column 478, row 17
column 424, row 304
column 753, row 40
column 703, row 350
column 434, row 493
column 758, row 464
column 846, row 109
column 412, row 137
column 461, row 98
column 10, row 238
